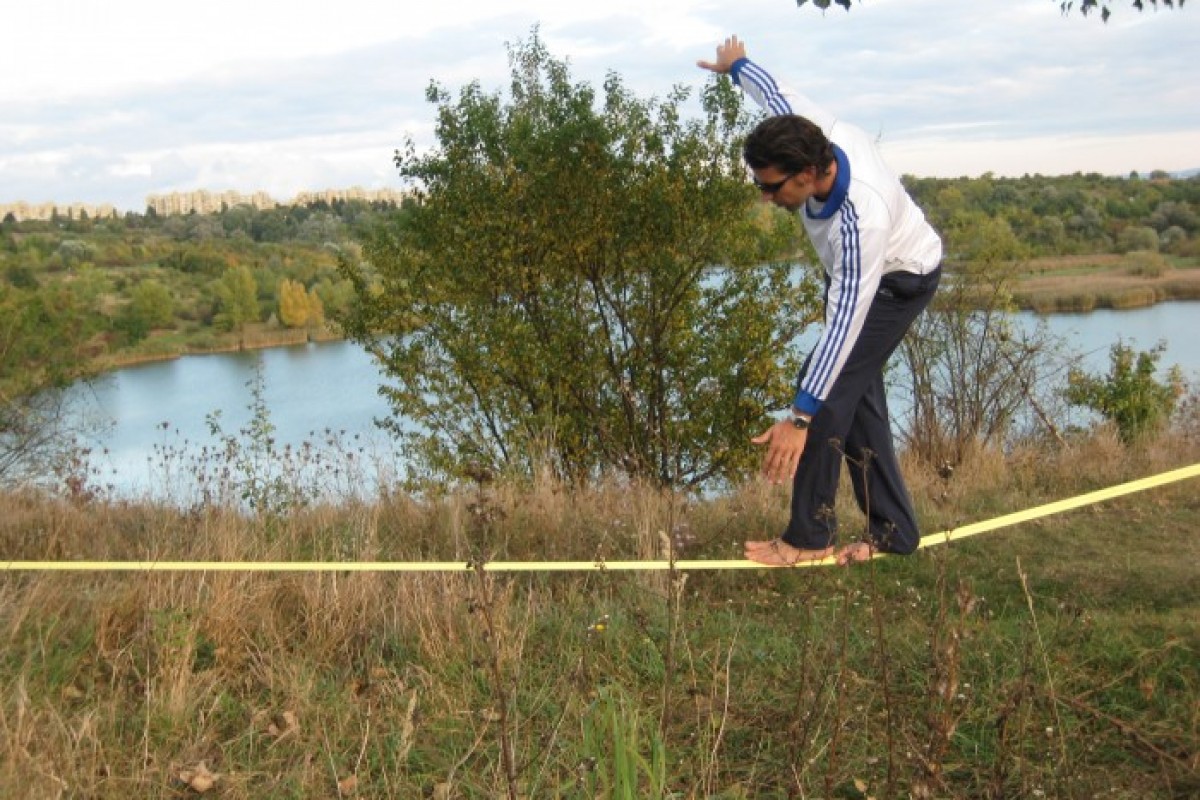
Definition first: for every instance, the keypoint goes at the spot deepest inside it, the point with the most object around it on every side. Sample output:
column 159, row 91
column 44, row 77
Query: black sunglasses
column 771, row 188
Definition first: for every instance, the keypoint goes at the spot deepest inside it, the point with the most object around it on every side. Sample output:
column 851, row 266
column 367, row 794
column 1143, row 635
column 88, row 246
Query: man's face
column 785, row 189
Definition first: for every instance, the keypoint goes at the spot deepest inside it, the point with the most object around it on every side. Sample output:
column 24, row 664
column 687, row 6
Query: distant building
column 46, row 211
column 204, row 202
column 199, row 202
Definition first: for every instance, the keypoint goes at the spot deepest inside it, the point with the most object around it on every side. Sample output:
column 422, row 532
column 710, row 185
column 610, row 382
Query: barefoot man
column 882, row 265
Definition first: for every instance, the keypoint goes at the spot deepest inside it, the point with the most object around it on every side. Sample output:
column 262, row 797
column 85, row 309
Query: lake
column 319, row 392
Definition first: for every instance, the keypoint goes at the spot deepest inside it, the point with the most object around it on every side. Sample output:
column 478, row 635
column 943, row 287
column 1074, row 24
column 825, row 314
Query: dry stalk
column 709, row 777
column 675, row 587
column 1027, row 392
column 814, row 702
column 500, row 689
column 1007, row 733
column 839, row 696
column 885, row 675
column 1054, row 701
column 942, row 718
column 880, row 629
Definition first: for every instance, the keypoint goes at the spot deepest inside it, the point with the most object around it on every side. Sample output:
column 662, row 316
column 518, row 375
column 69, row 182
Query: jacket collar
column 841, row 187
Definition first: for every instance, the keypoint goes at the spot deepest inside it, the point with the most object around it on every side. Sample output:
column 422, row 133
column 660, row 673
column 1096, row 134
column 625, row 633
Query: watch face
column 800, row 422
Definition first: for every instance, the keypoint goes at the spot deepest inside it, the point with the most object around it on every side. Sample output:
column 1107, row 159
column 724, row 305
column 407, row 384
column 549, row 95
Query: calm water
column 318, row 388
column 312, row 391
column 1175, row 324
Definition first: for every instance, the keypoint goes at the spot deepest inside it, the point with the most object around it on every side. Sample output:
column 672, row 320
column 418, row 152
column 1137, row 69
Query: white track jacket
column 868, row 227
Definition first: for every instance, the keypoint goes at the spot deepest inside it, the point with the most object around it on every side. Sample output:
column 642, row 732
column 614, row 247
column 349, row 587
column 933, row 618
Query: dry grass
column 962, row 672
column 1085, row 283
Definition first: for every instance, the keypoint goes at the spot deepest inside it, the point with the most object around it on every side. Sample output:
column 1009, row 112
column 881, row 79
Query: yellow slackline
column 944, row 537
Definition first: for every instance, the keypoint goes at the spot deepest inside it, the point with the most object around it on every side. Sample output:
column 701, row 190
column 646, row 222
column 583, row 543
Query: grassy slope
column 1056, row 659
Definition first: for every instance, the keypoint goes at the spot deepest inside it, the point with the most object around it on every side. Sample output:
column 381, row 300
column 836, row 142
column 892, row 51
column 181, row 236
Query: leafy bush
column 587, row 278
column 1131, row 396
column 1147, row 263
column 1137, row 237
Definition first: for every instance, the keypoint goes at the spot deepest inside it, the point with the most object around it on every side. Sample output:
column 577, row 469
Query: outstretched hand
column 785, row 445
column 728, row 52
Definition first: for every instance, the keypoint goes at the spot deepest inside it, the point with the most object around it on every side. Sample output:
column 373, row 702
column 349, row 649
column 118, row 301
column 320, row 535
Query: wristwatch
column 800, row 421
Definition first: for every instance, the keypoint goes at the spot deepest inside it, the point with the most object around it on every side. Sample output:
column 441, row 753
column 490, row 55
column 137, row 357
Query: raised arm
column 772, row 96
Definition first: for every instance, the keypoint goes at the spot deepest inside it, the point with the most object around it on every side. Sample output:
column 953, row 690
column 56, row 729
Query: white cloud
column 1045, row 155
column 70, row 48
column 281, row 167
column 118, row 100
column 131, row 168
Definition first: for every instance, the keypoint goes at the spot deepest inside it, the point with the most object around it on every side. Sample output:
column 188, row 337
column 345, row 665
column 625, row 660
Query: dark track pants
column 853, row 424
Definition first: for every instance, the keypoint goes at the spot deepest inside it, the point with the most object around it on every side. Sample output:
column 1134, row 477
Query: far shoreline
column 1043, row 286
column 1119, row 282
column 258, row 340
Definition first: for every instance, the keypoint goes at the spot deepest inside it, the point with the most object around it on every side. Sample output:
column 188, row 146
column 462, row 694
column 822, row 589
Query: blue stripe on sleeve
column 772, row 98
column 843, row 315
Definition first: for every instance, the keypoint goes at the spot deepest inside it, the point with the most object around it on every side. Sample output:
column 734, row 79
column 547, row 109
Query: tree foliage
column 152, row 280
column 299, row 307
column 1061, row 215
column 43, row 339
column 1131, row 396
column 1084, row 6
column 237, row 293
column 151, row 306
column 587, row 284
column 1087, row 6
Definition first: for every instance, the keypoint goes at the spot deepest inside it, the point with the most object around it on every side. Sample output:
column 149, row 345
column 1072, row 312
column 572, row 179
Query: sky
column 110, row 102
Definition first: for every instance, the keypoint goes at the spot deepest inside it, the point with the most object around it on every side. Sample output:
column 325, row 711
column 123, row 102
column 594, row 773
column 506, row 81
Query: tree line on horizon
column 146, row 272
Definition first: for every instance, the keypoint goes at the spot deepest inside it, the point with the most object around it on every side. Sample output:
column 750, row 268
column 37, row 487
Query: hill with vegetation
column 146, row 286
column 1076, row 242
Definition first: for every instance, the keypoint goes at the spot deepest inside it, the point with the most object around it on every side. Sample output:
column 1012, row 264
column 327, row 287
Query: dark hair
column 789, row 143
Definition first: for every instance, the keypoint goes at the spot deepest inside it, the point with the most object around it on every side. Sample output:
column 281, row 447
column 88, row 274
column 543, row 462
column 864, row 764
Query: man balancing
column 882, row 266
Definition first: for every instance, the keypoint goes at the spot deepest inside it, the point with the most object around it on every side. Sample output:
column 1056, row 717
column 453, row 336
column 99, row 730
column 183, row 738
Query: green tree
column 150, row 306
column 237, row 298
column 153, row 302
column 1087, row 6
column 1172, row 237
column 336, row 297
column 973, row 236
column 21, row 276
column 1131, row 396
column 586, row 284
column 1170, row 213
column 75, row 252
column 1137, row 237
column 43, row 350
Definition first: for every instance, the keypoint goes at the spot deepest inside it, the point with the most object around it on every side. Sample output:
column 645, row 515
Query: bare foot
column 854, row 553
column 778, row 553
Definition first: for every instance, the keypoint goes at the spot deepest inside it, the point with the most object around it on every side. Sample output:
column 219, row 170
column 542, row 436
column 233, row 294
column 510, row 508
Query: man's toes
column 854, row 553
